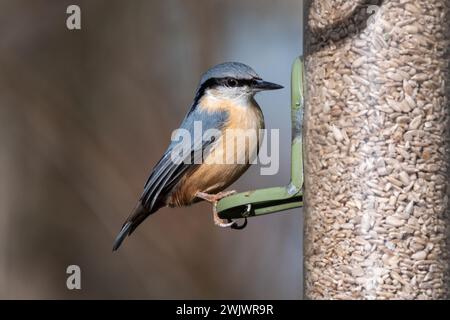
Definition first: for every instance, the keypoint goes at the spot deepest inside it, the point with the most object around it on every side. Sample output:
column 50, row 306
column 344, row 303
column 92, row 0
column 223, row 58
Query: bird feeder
column 377, row 151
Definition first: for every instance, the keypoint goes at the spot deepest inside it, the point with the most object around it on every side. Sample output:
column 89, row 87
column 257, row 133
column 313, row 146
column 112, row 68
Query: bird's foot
column 221, row 222
column 214, row 198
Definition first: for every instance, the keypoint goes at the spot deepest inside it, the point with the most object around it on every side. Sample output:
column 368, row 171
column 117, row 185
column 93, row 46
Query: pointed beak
column 261, row 85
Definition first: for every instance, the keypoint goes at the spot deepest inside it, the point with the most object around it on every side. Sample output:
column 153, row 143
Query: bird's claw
column 214, row 199
column 244, row 215
column 233, row 224
column 222, row 224
column 236, row 226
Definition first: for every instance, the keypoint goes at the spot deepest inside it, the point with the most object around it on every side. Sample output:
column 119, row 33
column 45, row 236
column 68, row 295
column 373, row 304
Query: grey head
column 230, row 70
column 234, row 79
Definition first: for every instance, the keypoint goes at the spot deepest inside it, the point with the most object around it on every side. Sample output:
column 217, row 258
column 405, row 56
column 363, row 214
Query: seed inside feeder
column 377, row 157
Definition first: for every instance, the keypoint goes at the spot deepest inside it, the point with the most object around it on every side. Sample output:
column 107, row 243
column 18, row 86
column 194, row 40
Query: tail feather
column 124, row 232
column 134, row 220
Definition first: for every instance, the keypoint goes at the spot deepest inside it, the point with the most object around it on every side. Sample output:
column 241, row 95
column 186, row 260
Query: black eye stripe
column 214, row 82
column 239, row 82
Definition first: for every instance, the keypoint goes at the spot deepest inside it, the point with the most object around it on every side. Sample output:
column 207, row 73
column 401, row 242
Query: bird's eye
column 232, row 83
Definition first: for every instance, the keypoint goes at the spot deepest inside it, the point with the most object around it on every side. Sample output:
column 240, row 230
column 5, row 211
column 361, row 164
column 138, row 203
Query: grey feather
column 167, row 169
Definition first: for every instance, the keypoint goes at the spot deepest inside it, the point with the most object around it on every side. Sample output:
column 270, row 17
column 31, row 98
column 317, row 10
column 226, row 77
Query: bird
column 224, row 100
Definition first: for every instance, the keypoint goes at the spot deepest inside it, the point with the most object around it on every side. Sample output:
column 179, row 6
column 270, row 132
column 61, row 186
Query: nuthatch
column 224, row 100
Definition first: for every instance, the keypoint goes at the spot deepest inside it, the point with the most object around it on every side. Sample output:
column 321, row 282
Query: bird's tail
column 136, row 217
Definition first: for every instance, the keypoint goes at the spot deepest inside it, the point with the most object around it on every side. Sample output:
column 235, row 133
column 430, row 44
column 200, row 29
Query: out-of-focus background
column 84, row 115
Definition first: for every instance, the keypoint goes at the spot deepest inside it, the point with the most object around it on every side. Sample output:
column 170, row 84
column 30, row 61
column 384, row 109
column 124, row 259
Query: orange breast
column 226, row 162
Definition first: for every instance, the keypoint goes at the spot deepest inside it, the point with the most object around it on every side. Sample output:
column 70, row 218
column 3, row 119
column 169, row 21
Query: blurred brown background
column 84, row 115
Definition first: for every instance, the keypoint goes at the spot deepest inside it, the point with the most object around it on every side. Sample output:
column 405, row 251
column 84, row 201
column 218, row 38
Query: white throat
column 240, row 96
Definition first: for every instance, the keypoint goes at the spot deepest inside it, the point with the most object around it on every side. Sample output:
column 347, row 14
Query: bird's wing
column 172, row 166
column 167, row 172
